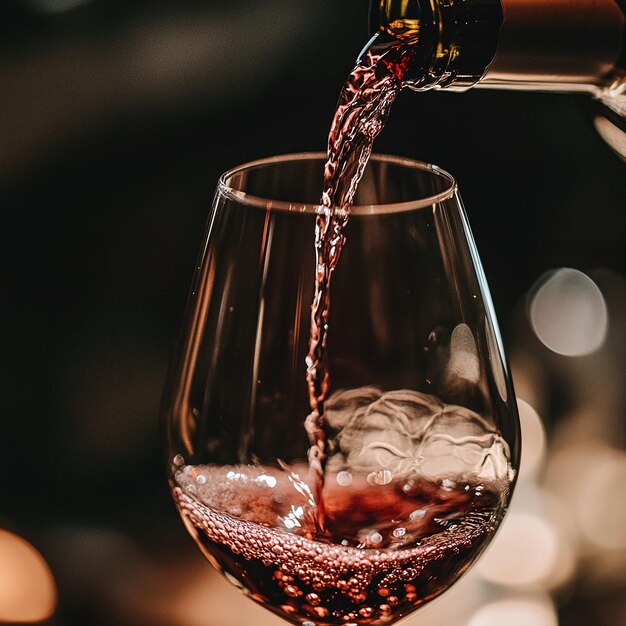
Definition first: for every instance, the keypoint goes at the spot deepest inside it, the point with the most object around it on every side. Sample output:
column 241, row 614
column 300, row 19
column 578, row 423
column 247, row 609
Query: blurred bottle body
column 567, row 46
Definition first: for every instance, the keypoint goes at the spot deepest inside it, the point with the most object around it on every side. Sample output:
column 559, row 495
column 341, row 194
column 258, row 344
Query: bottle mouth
column 453, row 42
column 293, row 183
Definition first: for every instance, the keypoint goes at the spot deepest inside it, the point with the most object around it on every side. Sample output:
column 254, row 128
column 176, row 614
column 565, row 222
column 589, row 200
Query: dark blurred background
column 116, row 119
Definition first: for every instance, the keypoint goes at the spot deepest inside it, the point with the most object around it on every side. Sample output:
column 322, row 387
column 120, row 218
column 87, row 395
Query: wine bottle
column 567, row 46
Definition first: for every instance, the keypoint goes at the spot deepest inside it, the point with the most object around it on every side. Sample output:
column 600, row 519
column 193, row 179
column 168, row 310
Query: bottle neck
column 547, row 45
column 513, row 44
column 453, row 41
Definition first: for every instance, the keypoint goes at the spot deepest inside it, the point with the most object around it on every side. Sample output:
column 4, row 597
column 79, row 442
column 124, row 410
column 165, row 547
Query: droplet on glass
column 417, row 514
column 381, row 477
column 344, row 478
column 375, row 538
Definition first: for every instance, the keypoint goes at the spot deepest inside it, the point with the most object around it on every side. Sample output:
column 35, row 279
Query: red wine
column 387, row 548
column 362, row 110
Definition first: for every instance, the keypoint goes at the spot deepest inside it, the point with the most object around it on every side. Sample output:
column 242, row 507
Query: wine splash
column 388, row 548
column 362, row 110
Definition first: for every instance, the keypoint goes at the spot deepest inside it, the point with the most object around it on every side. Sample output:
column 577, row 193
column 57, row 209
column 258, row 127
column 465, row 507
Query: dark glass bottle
column 568, row 46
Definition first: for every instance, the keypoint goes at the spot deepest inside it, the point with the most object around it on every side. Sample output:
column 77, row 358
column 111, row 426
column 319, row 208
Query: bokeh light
column 536, row 547
column 27, row 589
column 524, row 553
column 568, row 313
column 533, row 438
column 590, row 480
column 532, row 611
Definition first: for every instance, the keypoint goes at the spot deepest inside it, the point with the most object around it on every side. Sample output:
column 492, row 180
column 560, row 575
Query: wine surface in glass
column 388, row 548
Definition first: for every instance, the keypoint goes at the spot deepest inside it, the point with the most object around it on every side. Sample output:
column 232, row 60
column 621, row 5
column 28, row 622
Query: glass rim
column 366, row 209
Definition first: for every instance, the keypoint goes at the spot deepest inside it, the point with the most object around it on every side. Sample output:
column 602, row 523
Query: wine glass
column 419, row 423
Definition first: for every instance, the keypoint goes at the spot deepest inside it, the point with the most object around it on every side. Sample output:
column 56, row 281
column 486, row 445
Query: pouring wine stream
column 362, row 110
